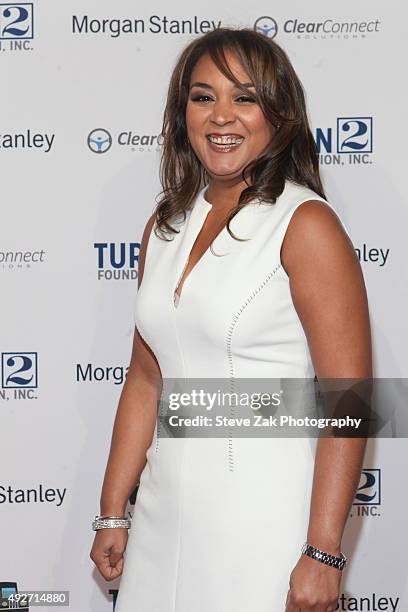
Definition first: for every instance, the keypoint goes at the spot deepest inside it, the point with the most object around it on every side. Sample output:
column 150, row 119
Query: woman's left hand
column 314, row 587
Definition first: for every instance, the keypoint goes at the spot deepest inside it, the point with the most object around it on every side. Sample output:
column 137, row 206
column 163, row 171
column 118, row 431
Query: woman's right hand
column 107, row 551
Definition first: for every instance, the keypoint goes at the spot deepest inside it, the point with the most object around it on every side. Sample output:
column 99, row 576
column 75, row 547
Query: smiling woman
column 254, row 88
column 245, row 272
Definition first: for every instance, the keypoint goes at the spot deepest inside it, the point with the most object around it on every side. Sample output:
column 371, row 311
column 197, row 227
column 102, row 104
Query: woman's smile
column 224, row 143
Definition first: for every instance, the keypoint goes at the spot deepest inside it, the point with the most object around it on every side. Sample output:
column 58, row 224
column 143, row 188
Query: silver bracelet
column 110, row 522
column 324, row 557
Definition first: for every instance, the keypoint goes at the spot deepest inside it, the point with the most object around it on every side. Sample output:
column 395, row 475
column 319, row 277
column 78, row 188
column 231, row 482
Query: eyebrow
column 199, row 84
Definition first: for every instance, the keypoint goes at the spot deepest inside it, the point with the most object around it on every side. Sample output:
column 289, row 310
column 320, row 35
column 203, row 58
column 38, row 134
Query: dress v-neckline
column 195, row 223
column 198, row 216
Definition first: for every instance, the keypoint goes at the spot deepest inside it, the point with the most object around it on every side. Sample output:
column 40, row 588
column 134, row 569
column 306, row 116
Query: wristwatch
column 324, row 557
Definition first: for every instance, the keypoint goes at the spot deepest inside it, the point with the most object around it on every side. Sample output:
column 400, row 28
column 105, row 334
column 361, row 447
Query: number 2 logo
column 16, row 21
column 354, row 135
column 369, row 490
column 19, row 370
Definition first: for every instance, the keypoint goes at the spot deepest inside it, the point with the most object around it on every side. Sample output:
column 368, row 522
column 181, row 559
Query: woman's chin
column 224, row 171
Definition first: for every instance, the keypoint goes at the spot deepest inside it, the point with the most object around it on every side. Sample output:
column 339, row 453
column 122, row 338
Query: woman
column 219, row 523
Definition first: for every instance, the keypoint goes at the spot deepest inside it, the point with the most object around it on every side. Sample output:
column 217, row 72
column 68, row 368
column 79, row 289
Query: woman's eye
column 200, row 98
column 246, row 99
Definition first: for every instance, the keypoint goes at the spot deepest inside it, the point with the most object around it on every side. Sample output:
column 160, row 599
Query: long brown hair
column 292, row 152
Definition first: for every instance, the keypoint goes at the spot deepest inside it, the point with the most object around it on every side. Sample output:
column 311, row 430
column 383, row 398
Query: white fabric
column 218, row 524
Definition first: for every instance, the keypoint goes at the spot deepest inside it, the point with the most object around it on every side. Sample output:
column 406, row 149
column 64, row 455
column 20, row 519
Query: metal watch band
column 109, row 522
column 324, row 557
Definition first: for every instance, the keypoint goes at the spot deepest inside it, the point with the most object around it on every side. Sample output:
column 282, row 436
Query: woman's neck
column 223, row 196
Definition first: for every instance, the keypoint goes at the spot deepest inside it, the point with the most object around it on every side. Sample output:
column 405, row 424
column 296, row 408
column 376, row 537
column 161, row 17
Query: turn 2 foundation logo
column 16, row 27
column 349, row 141
column 368, row 499
column 19, row 375
column 117, row 261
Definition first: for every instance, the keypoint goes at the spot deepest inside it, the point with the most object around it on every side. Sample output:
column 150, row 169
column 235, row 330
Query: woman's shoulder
column 315, row 227
column 304, row 209
column 294, row 194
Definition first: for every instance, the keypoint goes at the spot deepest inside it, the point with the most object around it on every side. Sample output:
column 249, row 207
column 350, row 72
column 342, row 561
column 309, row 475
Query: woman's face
column 226, row 127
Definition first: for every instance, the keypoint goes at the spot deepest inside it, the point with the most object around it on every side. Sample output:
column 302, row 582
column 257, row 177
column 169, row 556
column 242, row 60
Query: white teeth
column 225, row 140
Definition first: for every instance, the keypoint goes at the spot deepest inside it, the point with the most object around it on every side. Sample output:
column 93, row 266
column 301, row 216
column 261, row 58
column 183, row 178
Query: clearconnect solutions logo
column 267, row 26
column 327, row 29
column 101, row 140
column 21, row 259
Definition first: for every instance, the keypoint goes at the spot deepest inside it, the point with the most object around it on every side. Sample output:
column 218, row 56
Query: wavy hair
column 292, row 152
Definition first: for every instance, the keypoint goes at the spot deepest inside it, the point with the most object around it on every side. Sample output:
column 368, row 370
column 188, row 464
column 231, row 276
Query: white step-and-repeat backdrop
column 83, row 87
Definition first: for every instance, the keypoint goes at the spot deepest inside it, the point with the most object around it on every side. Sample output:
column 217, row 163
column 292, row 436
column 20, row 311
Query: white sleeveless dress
column 219, row 523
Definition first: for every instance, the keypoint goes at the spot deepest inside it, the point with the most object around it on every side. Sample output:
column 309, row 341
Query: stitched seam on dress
column 229, row 351
column 159, row 425
column 180, row 522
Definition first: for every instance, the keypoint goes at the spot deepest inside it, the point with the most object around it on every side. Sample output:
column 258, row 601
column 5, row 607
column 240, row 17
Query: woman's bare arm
column 329, row 295
column 135, row 417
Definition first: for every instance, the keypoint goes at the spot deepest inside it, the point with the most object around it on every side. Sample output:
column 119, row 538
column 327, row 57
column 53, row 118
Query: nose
column 223, row 111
